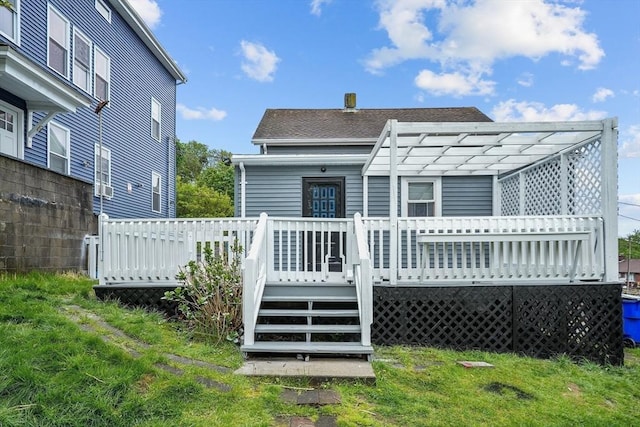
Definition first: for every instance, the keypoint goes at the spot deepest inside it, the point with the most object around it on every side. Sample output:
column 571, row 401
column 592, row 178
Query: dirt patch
column 572, row 390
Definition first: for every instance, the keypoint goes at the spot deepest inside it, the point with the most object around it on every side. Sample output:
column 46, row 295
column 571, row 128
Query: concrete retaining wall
column 44, row 218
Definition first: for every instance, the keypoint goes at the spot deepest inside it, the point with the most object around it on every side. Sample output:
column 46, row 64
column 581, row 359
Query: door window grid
column 7, row 120
column 58, row 46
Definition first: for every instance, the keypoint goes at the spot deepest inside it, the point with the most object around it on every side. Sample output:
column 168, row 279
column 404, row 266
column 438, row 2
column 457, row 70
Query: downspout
column 243, row 199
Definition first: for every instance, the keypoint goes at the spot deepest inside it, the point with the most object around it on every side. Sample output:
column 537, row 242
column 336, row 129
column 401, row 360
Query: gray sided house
column 60, row 60
column 303, row 150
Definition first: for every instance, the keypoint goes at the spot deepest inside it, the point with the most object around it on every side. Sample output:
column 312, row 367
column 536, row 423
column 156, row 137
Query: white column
column 393, row 201
column 609, row 172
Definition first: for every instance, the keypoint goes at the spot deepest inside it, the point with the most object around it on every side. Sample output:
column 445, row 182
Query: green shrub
column 210, row 298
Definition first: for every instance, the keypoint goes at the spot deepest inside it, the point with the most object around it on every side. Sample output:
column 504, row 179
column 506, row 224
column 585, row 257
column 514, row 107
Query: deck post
column 609, row 174
column 393, row 201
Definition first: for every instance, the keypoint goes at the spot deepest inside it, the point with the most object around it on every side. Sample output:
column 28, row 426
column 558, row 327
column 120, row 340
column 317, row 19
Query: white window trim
column 97, row 182
column 159, row 120
column 437, row 193
column 16, row 25
column 18, row 126
column 96, row 50
column 153, row 175
column 68, row 144
column 77, row 32
column 102, row 6
column 50, row 8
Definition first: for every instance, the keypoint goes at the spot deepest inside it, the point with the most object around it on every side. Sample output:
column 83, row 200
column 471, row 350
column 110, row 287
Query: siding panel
column 278, row 190
column 467, row 196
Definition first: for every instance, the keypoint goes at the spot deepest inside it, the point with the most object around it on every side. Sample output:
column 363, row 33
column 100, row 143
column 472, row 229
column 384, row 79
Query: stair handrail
column 363, row 279
column 255, row 278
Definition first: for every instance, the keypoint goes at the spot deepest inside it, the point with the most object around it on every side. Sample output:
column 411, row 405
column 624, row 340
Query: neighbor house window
column 103, row 10
column 420, row 197
column 156, row 190
column 58, row 52
column 155, row 119
column 102, row 66
column 9, row 20
column 58, row 141
column 103, row 171
column 81, row 61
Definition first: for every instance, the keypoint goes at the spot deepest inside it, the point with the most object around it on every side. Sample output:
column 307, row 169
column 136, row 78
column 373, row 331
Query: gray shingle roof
column 363, row 123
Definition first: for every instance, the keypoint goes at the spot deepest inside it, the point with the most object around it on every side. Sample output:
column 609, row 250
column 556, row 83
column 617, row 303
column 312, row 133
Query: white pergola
column 488, row 148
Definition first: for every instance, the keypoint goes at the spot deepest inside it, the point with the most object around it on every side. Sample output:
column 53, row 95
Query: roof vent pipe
column 349, row 102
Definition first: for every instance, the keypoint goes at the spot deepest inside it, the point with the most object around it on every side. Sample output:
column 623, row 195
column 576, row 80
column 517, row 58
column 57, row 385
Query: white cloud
column 602, row 94
column 455, row 84
column 148, row 10
column 471, row 35
column 259, row 63
column 316, row 6
column 630, row 146
column 511, row 110
column 200, row 113
column 525, row 79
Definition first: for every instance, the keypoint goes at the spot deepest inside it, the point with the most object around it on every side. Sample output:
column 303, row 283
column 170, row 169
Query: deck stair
column 308, row 318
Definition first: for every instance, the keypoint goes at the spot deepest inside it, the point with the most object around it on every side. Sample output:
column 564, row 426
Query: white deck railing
column 153, row 250
column 363, row 279
column 489, row 248
column 255, row 279
column 308, row 249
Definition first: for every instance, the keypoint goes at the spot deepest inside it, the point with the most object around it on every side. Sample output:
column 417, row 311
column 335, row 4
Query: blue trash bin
column 631, row 320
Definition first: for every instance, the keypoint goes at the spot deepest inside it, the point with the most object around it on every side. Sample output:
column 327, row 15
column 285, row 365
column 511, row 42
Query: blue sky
column 522, row 60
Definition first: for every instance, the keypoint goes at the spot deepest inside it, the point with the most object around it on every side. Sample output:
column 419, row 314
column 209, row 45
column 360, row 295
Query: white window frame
column 67, row 142
column 106, row 153
column 97, row 51
column 16, row 24
column 103, row 10
column 156, row 118
column 80, row 34
column 159, row 192
column 50, row 10
column 437, row 194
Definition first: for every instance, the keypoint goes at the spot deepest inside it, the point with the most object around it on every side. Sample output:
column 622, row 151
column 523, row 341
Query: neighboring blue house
column 58, row 60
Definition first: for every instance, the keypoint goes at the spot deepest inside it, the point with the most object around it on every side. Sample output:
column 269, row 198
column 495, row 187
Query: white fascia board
column 298, row 159
column 142, row 30
column 40, row 90
column 497, row 127
column 321, row 141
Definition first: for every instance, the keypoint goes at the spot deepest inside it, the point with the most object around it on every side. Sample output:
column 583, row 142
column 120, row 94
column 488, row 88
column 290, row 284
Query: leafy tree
column 218, row 177
column 630, row 242
column 196, row 201
column 191, row 159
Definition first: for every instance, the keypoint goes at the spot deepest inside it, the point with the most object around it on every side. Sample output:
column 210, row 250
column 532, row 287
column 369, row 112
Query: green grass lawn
column 57, row 370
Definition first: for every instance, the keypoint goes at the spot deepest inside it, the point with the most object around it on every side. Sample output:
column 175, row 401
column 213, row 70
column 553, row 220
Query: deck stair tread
column 308, row 313
column 307, row 347
column 314, row 298
column 300, row 329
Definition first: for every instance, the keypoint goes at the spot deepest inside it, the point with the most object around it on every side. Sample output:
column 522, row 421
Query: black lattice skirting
column 146, row 296
column 581, row 321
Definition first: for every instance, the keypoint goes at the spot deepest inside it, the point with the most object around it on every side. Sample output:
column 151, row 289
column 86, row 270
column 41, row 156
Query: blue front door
column 324, row 198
